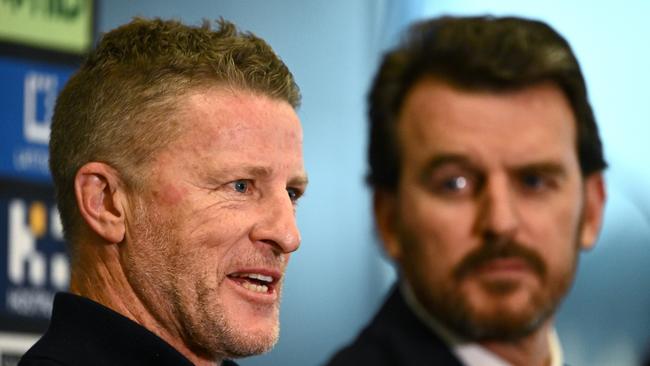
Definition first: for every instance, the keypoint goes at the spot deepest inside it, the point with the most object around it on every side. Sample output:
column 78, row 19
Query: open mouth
column 255, row 282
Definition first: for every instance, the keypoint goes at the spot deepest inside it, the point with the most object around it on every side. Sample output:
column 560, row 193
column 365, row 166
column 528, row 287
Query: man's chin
column 234, row 330
column 504, row 318
column 503, row 325
column 504, row 311
column 251, row 331
column 252, row 342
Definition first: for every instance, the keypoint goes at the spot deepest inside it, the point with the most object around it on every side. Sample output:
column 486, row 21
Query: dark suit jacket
column 396, row 337
column 83, row 332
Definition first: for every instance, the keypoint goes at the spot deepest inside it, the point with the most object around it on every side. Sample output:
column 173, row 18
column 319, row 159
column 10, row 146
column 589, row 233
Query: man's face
column 209, row 237
column 491, row 208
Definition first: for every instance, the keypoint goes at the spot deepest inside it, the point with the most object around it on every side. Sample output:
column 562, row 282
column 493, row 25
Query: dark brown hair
column 475, row 53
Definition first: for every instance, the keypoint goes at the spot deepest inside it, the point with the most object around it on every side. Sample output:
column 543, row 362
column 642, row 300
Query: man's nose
column 276, row 223
column 498, row 212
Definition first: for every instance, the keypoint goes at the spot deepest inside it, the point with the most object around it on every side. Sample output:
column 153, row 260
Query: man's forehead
column 440, row 109
column 431, row 90
column 231, row 113
column 526, row 126
column 226, row 133
column 224, row 98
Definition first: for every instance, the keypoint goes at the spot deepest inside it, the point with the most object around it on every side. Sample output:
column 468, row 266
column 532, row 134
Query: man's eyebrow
column 441, row 160
column 546, row 167
column 299, row 180
column 258, row 171
column 264, row 172
column 447, row 159
column 233, row 172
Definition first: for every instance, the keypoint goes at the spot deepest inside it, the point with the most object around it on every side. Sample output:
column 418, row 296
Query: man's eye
column 535, row 182
column 294, row 194
column 532, row 181
column 454, row 184
column 241, row 186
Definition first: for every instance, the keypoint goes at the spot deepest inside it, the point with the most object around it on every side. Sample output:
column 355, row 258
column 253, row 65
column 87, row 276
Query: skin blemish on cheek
column 169, row 194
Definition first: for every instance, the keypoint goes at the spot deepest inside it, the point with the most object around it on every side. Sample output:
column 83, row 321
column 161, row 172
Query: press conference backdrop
column 337, row 279
column 41, row 43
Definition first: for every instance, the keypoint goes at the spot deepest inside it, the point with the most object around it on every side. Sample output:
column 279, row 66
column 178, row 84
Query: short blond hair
column 118, row 108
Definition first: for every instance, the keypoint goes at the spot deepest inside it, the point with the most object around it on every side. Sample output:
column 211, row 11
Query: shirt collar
column 469, row 353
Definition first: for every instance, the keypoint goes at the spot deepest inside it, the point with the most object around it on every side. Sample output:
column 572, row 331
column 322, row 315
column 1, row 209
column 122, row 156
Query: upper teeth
column 258, row 276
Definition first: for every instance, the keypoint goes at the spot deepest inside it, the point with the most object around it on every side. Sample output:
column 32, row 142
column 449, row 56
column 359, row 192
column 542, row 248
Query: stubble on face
column 445, row 299
column 182, row 297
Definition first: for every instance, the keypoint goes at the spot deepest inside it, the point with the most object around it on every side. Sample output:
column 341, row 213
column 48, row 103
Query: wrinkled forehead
column 223, row 127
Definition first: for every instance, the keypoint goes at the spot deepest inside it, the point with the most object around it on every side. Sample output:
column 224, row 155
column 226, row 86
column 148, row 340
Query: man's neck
column 106, row 284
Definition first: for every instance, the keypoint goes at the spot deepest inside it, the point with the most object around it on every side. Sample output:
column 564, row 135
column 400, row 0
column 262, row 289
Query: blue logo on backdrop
column 33, row 262
column 27, row 100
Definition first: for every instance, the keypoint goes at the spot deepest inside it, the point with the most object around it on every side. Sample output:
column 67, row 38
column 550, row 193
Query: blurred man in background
column 486, row 167
column 176, row 154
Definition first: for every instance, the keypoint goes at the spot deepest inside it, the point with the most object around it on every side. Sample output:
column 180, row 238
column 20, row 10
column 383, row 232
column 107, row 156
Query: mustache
column 499, row 248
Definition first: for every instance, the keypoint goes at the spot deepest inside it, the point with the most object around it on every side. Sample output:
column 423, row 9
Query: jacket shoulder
column 38, row 361
column 362, row 352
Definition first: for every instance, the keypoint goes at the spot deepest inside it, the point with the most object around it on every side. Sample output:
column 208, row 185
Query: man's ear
column 385, row 208
column 100, row 197
column 594, row 208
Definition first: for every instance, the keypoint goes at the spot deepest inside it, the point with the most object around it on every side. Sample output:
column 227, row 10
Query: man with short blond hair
column 176, row 154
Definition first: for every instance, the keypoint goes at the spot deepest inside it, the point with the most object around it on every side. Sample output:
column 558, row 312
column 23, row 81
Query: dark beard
column 447, row 304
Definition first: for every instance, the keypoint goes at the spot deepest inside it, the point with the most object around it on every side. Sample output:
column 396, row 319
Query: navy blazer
column 396, row 337
column 83, row 332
